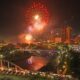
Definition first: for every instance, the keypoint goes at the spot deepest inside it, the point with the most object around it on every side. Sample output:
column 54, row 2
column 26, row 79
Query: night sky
column 12, row 15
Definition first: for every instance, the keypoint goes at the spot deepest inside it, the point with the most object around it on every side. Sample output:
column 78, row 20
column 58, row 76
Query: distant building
column 58, row 40
column 77, row 39
column 67, row 35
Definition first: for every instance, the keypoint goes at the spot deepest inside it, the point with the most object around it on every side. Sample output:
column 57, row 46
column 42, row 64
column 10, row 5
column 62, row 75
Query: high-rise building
column 68, row 34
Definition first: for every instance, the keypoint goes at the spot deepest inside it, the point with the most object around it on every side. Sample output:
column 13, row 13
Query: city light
column 40, row 40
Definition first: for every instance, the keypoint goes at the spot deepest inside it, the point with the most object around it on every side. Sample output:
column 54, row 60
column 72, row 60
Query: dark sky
column 12, row 18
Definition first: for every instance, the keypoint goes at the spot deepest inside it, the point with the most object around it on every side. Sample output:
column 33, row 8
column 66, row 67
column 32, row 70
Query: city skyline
column 12, row 21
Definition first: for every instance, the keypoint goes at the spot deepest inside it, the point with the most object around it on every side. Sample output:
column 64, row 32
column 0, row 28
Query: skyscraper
column 68, row 34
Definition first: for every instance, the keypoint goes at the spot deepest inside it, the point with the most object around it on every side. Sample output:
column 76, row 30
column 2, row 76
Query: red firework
column 37, row 8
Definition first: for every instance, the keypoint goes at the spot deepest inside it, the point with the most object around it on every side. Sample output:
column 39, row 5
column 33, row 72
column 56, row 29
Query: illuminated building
column 58, row 39
column 68, row 35
column 56, row 35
